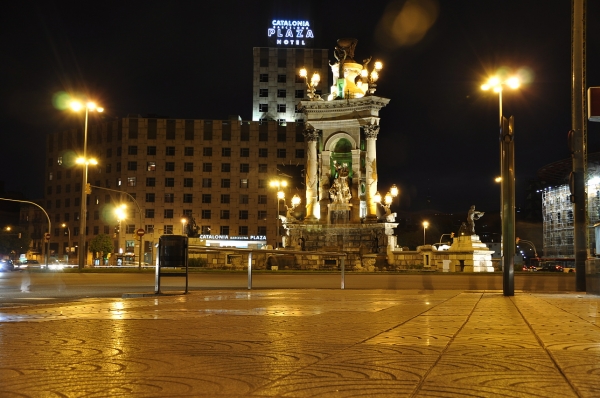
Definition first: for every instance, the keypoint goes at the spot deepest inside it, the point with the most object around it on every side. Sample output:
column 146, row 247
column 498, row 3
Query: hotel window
column 243, row 230
column 245, row 132
column 282, row 63
column 189, row 130
column 188, row 198
column 225, row 131
column 207, row 167
column 119, row 151
column 150, row 181
column 299, row 94
column 188, row 166
column 208, row 130
column 225, row 183
column 244, row 167
column 244, row 199
column 149, row 213
column 188, row 182
column 151, row 166
column 189, row 151
column 243, row 183
column 244, row 152
column 169, row 198
column 262, row 183
column 169, row 182
column 281, row 153
column 168, row 229
column 131, row 181
column 263, row 78
column 106, row 230
column 132, row 150
column 281, row 107
column 281, row 93
column 150, row 198
column 243, row 214
column 263, row 152
column 171, row 129
column 262, row 214
column 262, row 168
column 118, row 166
column 187, row 212
column 205, row 229
column 96, row 230
column 224, row 214
column 299, row 153
column 281, row 136
column 262, row 231
column 225, row 198
column 119, row 182
column 50, row 175
column 281, row 78
column 206, row 182
column 263, row 107
column 206, row 198
column 132, row 166
column 152, row 129
column 170, row 166
column 225, row 167
column 224, row 229
column 168, row 213
column 206, row 214
column 263, row 92
column 206, row 151
column 151, row 150
column 262, row 199
column 130, row 228
column 108, row 168
column 170, row 151
column 67, row 203
column 109, row 152
column 226, row 152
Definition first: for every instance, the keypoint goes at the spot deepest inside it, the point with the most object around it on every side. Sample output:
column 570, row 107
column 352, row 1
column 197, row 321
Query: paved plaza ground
column 305, row 343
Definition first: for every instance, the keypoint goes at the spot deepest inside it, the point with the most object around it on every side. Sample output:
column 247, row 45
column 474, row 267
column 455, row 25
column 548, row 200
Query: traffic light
column 88, row 188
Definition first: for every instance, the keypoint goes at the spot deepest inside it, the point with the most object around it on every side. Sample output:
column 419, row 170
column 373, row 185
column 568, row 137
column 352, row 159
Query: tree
column 101, row 244
column 16, row 241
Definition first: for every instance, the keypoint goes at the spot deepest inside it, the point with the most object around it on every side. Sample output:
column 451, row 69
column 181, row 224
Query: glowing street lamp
column 371, row 78
column 69, row 242
column 388, row 199
column 183, row 222
column 279, row 185
column 85, row 189
column 312, row 86
column 507, row 181
column 425, row 225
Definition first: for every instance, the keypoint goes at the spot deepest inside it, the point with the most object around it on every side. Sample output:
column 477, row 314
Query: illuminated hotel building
column 277, row 88
column 214, row 171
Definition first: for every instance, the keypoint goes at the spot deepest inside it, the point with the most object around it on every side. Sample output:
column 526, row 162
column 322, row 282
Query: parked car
column 6, row 265
column 551, row 268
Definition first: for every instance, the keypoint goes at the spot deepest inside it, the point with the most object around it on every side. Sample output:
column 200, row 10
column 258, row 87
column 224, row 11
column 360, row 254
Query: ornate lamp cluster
column 312, row 85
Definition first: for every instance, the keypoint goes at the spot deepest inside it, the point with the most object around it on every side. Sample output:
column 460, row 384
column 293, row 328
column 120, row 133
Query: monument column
column 371, row 131
column 312, row 136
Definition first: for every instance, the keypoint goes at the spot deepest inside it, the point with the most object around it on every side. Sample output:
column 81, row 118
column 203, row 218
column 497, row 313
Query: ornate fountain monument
column 341, row 171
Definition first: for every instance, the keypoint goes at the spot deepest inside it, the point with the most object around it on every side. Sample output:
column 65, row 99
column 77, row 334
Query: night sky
column 185, row 59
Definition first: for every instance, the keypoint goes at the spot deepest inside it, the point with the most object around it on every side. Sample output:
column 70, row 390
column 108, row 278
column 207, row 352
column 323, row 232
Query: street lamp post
column 425, row 225
column 120, row 212
column 507, row 182
column 90, row 106
column 279, row 185
column 183, row 222
column 69, row 242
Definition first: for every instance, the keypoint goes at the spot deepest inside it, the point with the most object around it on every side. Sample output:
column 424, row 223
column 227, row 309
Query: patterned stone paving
column 305, row 343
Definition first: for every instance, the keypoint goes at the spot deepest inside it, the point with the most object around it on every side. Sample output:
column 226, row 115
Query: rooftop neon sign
column 290, row 33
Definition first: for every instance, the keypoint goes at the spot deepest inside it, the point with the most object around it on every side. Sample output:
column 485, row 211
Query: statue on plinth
column 472, row 216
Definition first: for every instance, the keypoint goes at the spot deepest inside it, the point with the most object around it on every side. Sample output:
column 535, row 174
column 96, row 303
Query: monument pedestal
column 469, row 254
